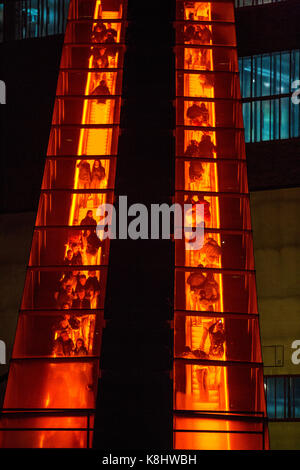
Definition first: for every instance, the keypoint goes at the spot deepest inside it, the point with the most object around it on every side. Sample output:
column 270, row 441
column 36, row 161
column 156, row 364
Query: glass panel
column 55, row 384
column 99, row 110
column 67, row 208
column 218, row 338
column 56, row 289
column 206, row 59
column 226, row 84
column 37, row 18
column 199, row 11
column 84, row 141
column 61, row 173
column 213, row 388
column 85, row 9
column 253, row 3
column 266, row 76
column 284, row 118
column 247, row 121
column 74, row 83
column 200, row 143
column 245, row 66
column 209, row 113
column 27, row 437
column 256, row 122
column 224, row 212
column 196, row 175
column 295, row 121
column 285, row 73
column 206, row 34
column 68, row 247
column 267, row 119
column 295, row 73
column 257, row 79
column 275, row 64
column 219, row 440
column 102, row 32
column 226, row 250
column 270, row 394
column 72, row 334
column 296, row 381
column 199, row 290
column 270, row 74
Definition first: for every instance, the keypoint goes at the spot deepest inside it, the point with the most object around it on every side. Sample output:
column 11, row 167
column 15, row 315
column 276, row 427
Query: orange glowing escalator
column 52, row 384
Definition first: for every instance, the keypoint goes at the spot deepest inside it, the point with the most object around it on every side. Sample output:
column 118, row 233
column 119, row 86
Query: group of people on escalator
column 197, row 34
column 104, row 39
column 203, row 149
column 198, row 114
column 63, row 345
column 90, row 178
column 77, row 292
column 217, row 337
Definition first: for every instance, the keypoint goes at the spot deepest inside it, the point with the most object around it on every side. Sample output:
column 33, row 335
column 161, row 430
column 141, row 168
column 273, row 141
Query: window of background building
column 35, row 18
column 254, row 3
column 283, row 396
column 266, row 86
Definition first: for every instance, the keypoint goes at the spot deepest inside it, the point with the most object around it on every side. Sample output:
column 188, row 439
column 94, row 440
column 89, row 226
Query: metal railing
column 23, row 413
column 27, row 19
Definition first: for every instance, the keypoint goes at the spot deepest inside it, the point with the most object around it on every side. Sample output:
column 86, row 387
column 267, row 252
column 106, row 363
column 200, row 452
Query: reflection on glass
column 205, row 386
column 71, row 288
column 58, row 384
column 194, row 174
column 55, row 358
column 216, row 338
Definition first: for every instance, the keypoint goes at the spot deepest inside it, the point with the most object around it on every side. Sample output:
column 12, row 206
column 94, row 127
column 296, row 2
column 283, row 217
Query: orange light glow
column 203, row 380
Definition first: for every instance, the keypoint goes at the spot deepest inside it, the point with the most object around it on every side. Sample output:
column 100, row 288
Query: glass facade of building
column 267, row 84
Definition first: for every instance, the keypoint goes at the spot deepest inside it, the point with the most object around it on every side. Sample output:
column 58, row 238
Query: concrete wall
column 284, row 436
column 276, row 231
column 15, row 241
